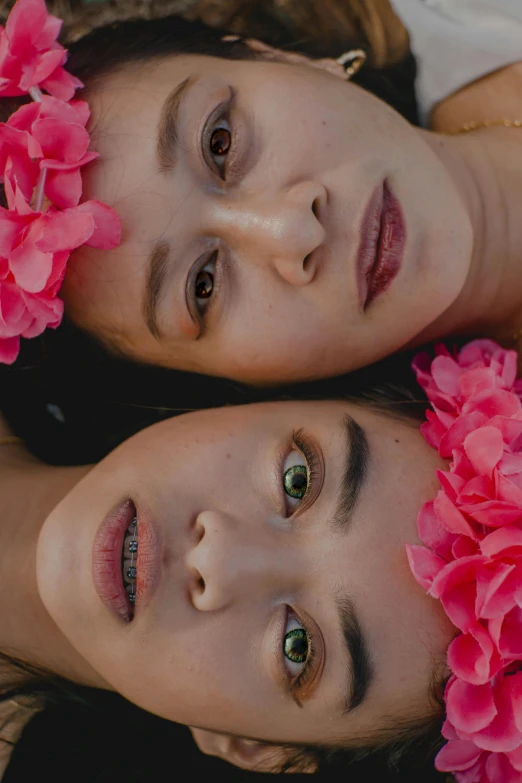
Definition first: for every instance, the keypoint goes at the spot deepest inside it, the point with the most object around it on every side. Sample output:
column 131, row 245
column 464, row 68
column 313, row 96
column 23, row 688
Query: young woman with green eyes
column 270, row 202
column 270, row 608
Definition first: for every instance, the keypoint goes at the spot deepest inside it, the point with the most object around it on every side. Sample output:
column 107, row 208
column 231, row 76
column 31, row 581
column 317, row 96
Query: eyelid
column 223, row 110
column 313, row 457
column 301, row 686
column 220, row 270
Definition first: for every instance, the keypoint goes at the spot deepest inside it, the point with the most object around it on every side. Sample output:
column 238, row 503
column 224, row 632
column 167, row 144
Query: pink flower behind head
column 43, row 147
column 30, row 55
column 472, row 560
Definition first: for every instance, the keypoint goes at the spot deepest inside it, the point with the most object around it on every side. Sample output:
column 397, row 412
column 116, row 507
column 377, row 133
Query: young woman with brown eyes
column 270, row 607
column 267, row 203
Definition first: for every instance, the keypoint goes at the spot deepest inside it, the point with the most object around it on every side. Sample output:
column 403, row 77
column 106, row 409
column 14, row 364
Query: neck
column 486, row 168
column 29, row 490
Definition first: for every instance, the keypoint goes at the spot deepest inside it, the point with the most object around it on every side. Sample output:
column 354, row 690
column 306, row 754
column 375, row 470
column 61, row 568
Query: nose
column 233, row 562
column 282, row 230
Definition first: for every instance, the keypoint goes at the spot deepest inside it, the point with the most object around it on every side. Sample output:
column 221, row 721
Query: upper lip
column 106, row 560
column 369, row 235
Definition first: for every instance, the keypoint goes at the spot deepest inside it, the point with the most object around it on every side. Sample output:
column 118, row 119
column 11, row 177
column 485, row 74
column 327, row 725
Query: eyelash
column 303, row 678
column 220, row 265
column 221, row 113
column 305, row 445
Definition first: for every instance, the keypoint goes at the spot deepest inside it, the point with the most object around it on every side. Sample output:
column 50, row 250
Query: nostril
column 197, row 584
column 306, row 260
column 315, row 207
column 200, row 531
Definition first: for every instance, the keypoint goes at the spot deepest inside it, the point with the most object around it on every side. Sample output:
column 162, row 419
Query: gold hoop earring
column 352, row 61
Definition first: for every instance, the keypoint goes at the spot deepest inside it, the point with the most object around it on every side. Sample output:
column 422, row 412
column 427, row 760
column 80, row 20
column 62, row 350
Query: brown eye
column 204, row 284
column 220, row 141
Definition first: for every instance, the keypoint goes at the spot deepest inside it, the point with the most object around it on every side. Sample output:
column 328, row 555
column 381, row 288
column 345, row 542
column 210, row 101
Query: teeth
column 129, row 571
column 130, row 546
column 128, row 565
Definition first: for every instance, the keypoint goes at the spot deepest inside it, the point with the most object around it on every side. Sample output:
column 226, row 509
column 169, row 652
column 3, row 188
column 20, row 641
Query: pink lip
column 148, row 562
column 383, row 239
column 106, row 560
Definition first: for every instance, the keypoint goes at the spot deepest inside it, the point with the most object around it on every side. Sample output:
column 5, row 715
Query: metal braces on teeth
column 131, row 546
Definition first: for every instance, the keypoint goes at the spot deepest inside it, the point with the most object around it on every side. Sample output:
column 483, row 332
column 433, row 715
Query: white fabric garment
column 458, row 41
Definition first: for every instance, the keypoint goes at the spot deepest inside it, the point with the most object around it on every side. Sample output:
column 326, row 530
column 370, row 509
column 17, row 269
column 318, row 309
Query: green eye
column 295, row 481
column 296, row 645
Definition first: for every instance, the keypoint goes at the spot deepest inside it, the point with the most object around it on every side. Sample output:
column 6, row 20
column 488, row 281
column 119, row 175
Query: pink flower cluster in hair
column 30, row 55
column 472, row 558
column 43, row 147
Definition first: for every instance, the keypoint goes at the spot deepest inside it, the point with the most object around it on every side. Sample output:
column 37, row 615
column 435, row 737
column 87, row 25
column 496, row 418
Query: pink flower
column 472, row 558
column 34, row 250
column 30, row 55
column 43, row 146
column 49, row 135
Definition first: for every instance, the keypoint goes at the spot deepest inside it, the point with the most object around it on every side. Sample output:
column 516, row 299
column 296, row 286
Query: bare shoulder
column 496, row 96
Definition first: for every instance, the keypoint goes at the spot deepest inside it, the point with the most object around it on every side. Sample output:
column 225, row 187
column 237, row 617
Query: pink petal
column 455, row 585
column 507, row 490
column 10, row 228
column 58, row 165
column 507, row 634
column 107, row 225
column 484, row 448
column 31, row 268
column 501, row 735
column 65, row 230
column 450, row 517
column 497, row 403
column 61, row 140
column 446, row 373
column 9, row 349
column 457, row 755
column 493, row 513
column 47, row 64
column 61, row 84
column 495, row 594
column 457, row 432
column 424, row 563
column 64, row 188
column 470, row 708
column 499, row 768
column 432, row 533
column 472, row 656
column 515, row 756
column 502, row 539
column 25, row 23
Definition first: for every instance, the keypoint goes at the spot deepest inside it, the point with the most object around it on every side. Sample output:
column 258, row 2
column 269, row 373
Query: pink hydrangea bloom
column 30, row 55
column 43, row 147
column 471, row 560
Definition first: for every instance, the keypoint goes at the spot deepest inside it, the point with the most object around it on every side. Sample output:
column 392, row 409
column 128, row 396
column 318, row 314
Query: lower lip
column 106, row 561
column 382, row 246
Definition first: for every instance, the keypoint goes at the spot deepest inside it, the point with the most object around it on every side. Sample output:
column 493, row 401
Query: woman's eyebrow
column 167, row 145
column 361, row 672
column 168, row 137
column 355, row 470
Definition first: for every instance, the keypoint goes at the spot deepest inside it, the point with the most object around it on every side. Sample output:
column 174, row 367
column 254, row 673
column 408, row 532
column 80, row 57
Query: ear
column 246, row 754
column 281, row 56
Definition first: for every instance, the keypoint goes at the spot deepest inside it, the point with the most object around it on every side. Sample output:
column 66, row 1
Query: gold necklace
column 475, row 125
